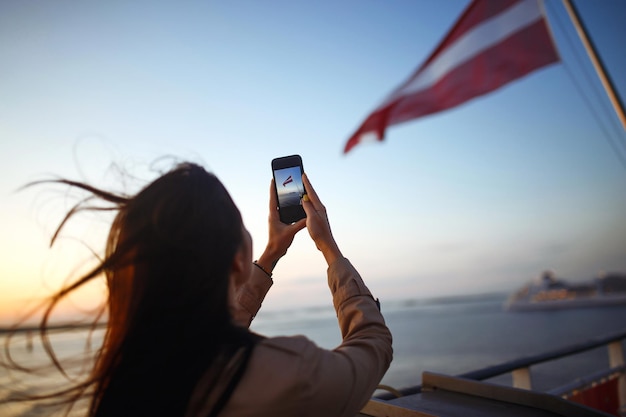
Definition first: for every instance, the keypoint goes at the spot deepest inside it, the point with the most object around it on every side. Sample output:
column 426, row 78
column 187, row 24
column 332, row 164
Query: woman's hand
column 318, row 225
column 280, row 234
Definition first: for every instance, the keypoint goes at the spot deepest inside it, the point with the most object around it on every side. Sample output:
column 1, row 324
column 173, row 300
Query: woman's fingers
column 297, row 226
column 312, row 195
column 273, row 200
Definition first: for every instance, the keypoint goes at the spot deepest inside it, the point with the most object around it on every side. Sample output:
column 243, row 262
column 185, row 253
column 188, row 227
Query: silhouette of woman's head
column 170, row 249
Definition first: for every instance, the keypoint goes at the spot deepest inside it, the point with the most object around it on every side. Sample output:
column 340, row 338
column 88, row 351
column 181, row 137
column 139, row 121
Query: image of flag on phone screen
column 292, row 189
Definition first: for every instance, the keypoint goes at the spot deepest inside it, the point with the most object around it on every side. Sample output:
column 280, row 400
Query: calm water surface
column 457, row 335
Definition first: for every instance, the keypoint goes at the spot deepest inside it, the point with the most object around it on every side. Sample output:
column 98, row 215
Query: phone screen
column 289, row 187
column 287, row 173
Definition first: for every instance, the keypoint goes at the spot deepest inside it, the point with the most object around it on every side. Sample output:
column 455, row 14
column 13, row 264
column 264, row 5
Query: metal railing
column 520, row 369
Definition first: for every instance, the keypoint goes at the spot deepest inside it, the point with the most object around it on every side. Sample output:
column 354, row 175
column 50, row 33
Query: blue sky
column 479, row 198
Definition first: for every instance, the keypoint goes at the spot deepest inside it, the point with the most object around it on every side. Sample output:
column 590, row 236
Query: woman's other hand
column 280, row 234
column 318, row 225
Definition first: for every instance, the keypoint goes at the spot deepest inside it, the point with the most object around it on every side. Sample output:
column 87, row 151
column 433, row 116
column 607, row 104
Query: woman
column 182, row 292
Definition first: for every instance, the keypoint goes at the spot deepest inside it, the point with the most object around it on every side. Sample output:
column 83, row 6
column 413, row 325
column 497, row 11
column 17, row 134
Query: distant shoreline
column 387, row 305
column 53, row 327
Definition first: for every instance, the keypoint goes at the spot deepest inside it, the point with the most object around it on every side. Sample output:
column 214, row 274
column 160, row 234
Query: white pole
column 618, row 105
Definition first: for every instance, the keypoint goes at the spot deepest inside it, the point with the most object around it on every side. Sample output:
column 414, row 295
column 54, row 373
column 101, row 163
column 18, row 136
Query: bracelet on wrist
column 269, row 274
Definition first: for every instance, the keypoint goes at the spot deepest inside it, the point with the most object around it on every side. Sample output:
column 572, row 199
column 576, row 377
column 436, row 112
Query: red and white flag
column 493, row 43
column 288, row 180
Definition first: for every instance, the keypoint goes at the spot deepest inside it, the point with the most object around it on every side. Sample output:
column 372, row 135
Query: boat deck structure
column 602, row 393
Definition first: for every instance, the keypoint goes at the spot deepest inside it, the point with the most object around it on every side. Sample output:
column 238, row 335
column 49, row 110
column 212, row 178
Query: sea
column 450, row 335
column 290, row 199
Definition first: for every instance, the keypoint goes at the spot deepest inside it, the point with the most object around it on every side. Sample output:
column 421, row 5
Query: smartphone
column 287, row 172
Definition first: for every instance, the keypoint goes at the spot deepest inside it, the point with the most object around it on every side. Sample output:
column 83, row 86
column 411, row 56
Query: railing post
column 521, row 378
column 616, row 358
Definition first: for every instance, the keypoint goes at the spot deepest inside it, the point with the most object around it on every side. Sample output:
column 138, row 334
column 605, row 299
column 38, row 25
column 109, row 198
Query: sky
column 480, row 198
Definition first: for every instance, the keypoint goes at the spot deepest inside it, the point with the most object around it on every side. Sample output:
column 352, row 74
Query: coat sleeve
column 341, row 381
column 249, row 297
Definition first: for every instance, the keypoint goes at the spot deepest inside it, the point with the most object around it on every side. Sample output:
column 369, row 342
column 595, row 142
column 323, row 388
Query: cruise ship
column 550, row 293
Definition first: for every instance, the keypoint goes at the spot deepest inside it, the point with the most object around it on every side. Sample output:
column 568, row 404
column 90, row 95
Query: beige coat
column 291, row 376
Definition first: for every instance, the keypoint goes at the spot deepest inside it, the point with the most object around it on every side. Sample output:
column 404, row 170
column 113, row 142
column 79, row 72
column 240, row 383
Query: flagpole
column 615, row 99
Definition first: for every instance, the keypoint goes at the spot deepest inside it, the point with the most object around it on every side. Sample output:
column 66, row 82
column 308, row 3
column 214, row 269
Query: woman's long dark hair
column 167, row 263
